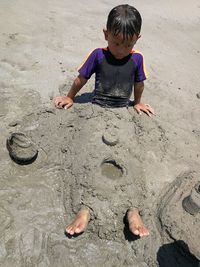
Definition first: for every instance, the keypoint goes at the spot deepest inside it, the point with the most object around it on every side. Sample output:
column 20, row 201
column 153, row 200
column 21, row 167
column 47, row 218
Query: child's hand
column 145, row 108
column 63, row 102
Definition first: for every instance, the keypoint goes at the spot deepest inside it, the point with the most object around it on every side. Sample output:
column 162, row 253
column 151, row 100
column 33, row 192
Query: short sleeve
column 88, row 67
column 140, row 72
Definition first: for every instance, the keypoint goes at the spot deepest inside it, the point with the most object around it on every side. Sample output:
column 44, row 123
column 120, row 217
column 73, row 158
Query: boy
column 118, row 68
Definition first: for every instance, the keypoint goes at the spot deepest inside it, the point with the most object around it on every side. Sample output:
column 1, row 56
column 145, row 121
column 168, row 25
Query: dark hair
column 124, row 19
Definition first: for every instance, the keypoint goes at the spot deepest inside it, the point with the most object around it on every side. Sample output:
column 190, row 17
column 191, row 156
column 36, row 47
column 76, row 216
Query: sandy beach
column 155, row 164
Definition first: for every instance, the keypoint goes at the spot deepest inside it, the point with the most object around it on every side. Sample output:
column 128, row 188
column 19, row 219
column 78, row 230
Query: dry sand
column 42, row 44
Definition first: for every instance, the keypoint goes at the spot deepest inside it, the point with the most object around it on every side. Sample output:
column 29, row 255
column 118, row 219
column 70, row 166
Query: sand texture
column 106, row 159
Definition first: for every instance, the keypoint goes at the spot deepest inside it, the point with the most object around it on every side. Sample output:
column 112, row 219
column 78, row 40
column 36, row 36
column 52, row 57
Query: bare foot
column 80, row 222
column 136, row 225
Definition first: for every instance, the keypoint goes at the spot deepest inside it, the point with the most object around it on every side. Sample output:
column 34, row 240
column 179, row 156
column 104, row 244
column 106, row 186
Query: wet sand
column 153, row 165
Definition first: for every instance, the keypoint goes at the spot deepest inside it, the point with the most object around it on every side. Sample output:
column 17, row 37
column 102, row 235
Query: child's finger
column 57, row 102
column 60, row 104
column 148, row 113
column 68, row 105
column 149, row 108
column 145, row 110
column 138, row 110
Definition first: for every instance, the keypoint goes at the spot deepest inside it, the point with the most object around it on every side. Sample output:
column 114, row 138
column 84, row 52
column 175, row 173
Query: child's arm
column 139, row 106
column 67, row 101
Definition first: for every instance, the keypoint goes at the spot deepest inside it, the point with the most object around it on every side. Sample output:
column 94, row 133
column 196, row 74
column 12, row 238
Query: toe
column 144, row 232
column 70, row 230
column 135, row 231
column 78, row 230
column 140, row 230
column 67, row 230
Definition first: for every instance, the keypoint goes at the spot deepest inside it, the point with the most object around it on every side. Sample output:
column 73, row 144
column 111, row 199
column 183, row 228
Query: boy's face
column 118, row 46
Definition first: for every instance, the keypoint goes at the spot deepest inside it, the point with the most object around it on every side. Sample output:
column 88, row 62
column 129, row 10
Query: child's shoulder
column 137, row 56
column 97, row 50
column 136, row 53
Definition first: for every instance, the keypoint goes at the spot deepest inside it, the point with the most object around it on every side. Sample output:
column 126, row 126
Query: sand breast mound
column 110, row 137
column 21, row 148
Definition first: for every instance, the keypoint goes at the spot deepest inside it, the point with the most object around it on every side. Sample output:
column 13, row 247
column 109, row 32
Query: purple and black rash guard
column 114, row 78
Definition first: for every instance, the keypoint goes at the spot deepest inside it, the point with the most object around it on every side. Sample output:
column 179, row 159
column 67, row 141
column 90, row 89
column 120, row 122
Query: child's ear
column 138, row 37
column 105, row 34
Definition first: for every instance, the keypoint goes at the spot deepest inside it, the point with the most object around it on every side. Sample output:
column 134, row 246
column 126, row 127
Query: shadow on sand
column 83, row 98
column 87, row 98
column 173, row 255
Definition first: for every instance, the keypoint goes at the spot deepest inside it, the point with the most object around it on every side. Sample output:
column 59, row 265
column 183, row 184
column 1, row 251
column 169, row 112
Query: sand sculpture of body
column 157, row 160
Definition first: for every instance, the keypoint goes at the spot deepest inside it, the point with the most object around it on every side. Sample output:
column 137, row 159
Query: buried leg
column 79, row 224
column 136, row 225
